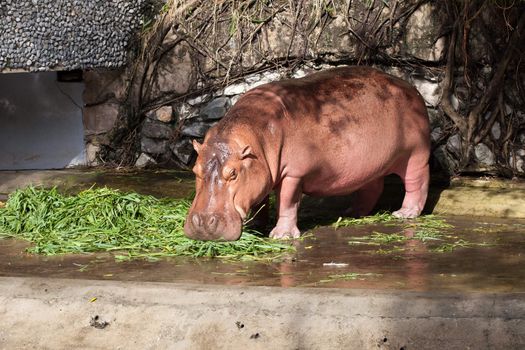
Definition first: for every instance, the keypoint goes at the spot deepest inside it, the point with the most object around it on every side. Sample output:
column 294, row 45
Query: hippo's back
column 344, row 85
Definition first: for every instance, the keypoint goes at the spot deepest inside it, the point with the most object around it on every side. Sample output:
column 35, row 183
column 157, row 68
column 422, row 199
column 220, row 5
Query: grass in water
column 378, row 238
column 133, row 225
column 379, row 218
column 427, row 229
column 351, row 276
column 449, row 247
column 424, row 228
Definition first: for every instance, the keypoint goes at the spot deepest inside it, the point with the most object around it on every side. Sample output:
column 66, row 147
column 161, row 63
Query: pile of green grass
column 129, row 224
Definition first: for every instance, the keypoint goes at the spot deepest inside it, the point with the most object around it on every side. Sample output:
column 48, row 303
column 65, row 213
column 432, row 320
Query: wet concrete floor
column 476, row 254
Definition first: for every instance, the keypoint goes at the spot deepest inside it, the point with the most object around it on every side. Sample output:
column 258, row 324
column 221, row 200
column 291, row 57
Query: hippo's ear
column 197, row 146
column 247, row 152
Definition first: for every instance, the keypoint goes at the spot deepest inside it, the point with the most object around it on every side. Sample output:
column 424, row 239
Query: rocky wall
column 188, row 93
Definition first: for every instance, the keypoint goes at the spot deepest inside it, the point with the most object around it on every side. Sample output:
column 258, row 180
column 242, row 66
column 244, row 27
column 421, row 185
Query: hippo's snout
column 210, row 226
column 207, row 223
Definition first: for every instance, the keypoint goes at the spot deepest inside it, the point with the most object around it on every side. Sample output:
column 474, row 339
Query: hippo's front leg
column 288, row 197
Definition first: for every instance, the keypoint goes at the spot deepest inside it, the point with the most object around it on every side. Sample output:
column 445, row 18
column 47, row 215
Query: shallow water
column 323, row 259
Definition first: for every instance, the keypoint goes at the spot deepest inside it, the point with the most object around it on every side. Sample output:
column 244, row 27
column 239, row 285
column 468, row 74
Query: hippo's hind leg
column 415, row 176
column 366, row 198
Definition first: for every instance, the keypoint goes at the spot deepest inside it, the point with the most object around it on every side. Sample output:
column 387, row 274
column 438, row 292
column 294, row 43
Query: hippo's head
column 230, row 179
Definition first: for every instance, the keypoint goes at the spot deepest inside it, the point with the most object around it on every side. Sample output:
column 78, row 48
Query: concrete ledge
column 56, row 314
column 482, row 197
column 482, row 201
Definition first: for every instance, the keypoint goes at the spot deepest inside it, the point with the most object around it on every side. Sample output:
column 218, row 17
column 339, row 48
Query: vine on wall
column 486, row 93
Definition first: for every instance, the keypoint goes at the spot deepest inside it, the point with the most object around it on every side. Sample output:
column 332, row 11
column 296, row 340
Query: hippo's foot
column 285, row 232
column 416, row 180
column 407, row 213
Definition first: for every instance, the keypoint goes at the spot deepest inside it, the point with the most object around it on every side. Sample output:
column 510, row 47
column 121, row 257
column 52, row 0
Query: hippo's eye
column 229, row 173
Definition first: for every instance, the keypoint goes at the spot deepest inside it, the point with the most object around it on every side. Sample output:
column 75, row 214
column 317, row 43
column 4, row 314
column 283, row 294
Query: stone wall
column 189, row 91
column 42, row 35
column 190, row 119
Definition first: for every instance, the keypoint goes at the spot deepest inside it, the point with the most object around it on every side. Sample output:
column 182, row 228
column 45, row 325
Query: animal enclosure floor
column 476, row 254
column 323, row 259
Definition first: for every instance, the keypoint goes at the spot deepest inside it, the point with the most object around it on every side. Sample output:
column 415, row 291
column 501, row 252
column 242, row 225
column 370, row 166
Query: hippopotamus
column 330, row 133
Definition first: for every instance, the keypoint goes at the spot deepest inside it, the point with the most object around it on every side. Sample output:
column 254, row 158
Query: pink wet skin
column 331, row 133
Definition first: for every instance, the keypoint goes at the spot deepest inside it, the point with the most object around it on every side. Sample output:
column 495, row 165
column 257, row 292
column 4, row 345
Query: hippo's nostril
column 196, row 220
column 212, row 222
